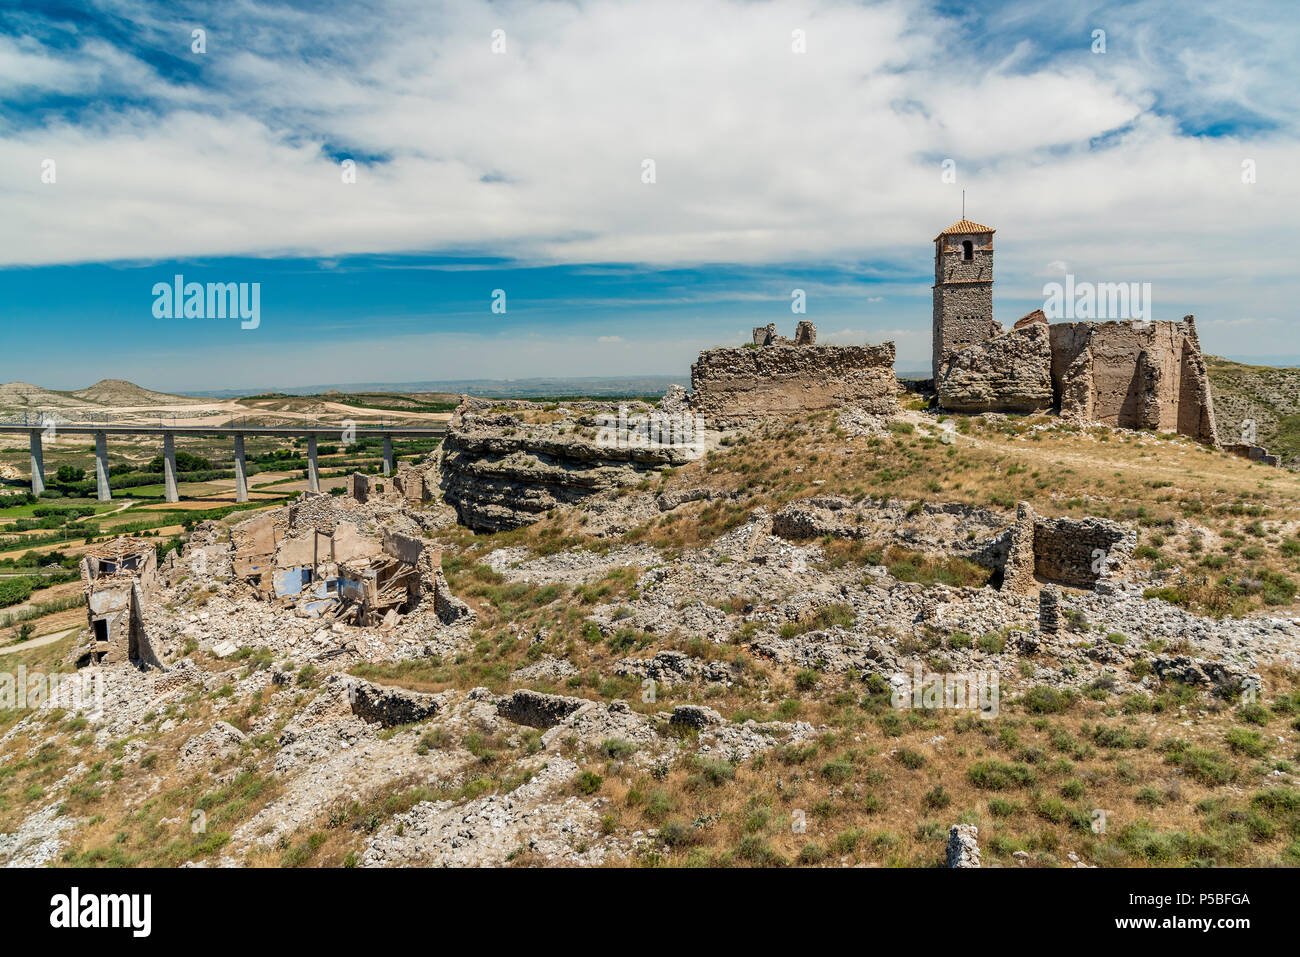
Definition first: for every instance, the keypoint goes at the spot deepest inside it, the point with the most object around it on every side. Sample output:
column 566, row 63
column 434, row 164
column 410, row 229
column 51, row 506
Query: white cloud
column 762, row 155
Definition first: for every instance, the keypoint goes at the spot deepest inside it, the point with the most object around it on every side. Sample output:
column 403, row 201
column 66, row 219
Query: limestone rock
column 538, row 710
column 963, row 846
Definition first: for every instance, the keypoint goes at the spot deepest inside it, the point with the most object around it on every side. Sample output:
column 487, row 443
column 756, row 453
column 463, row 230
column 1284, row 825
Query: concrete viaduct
column 101, row 432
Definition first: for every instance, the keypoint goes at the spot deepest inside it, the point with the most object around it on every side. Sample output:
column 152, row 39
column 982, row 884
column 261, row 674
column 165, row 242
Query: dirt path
column 38, row 642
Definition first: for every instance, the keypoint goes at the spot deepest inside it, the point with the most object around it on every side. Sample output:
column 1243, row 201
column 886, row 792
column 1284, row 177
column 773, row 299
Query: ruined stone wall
column 1126, row 374
column 1256, row 453
column 729, row 384
column 1066, row 551
column 1080, row 552
column 1137, row 375
column 1010, row 373
column 962, row 317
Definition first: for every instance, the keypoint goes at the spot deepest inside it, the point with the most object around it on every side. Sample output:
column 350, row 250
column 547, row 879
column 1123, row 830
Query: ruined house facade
column 315, row 558
column 407, row 484
column 779, row 376
column 1126, row 374
column 118, row 579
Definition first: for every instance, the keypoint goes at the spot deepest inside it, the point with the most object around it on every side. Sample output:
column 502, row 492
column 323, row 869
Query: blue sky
column 522, row 170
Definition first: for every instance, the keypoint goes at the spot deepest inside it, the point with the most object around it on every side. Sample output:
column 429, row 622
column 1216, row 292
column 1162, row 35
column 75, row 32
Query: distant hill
column 23, row 398
column 1269, row 395
column 19, row 397
column 120, row 393
column 489, row 388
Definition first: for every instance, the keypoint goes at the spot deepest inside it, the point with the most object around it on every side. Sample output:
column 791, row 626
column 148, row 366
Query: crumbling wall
column 1256, row 453
column 1133, row 374
column 1065, row 551
column 538, row 710
column 254, row 542
column 1129, row 374
column 410, row 485
column 118, row 578
column 1010, row 373
column 780, row 377
column 391, row 707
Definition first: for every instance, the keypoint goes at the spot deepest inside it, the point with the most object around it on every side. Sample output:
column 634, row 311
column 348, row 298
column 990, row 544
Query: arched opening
column 967, row 250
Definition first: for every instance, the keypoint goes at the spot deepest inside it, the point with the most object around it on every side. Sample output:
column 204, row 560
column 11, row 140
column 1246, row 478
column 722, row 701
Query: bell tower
column 963, row 289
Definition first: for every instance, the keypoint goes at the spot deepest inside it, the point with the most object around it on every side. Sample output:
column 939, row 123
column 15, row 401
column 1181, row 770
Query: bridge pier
column 241, row 470
column 388, row 454
column 101, row 467
column 169, row 466
column 38, row 463
column 313, row 468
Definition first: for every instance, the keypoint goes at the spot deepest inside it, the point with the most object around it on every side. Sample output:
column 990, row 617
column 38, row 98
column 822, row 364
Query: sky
column 382, row 169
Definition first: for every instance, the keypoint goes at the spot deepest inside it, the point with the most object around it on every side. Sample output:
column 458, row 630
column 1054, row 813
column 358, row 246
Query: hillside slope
column 1267, row 394
column 119, row 392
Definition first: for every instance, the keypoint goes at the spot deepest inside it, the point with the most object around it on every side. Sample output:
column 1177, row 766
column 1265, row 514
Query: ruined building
column 318, row 558
column 407, row 484
column 963, row 290
column 118, row 578
column 1127, row 373
column 779, row 376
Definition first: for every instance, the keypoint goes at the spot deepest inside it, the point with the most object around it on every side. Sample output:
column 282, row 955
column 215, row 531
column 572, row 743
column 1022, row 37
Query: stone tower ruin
column 963, row 289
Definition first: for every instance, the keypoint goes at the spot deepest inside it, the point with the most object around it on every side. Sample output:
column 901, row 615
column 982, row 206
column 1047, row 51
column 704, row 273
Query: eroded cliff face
column 500, row 471
column 783, row 378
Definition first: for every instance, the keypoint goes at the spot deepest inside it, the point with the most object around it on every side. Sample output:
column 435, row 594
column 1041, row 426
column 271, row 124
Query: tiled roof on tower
column 965, row 226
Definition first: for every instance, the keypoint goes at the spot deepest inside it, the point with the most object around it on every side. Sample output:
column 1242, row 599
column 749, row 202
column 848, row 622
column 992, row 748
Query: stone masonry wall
column 1125, row 374
column 1080, row 552
column 962, row 318
column 784, row 379
column 1011, row 373
column 963, row 295
column 1066, row 551
column 1137, row 375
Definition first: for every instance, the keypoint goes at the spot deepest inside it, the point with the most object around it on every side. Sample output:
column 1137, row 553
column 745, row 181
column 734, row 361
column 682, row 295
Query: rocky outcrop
column 967, row 530
column 675, row 667
column 220, row 742
column 500, row 472
column 538, row 710
column 1010, row 373
column 963, row 849
column 390, row 707
column 694, row 716
column 778, row 377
